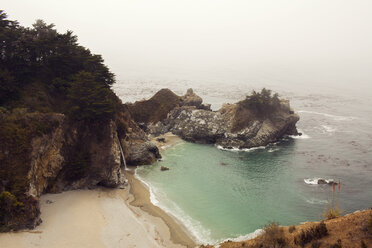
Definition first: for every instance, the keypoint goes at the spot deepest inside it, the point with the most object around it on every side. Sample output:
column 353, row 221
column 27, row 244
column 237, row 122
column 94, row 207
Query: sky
column 303, row 41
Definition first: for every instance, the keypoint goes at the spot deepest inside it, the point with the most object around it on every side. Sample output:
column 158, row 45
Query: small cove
column 221, row 194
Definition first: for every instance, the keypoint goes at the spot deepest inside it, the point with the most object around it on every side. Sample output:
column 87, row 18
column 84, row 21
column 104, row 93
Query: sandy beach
column 102, row 218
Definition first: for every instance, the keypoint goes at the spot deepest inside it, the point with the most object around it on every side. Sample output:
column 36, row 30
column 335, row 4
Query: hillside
column 349, row 231
column 61, row 125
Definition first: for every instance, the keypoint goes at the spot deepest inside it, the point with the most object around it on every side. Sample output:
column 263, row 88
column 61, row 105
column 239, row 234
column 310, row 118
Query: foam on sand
column 194, row 227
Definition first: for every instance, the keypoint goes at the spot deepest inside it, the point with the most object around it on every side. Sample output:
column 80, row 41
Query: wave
column 302, row 136
column 201, row 234
column 314, row 181
column 316, row 201
column 243, row 237
column 153, row 199
column 273, row 150
column 329, row 129
column 335, row 117
column 235, row 149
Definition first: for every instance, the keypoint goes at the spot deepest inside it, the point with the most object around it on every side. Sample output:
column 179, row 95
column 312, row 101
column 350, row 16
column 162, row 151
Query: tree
column 90, row 100
column 262, row 104
column 51, row 60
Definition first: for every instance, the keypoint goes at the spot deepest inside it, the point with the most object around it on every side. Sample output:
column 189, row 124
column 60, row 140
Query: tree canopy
column 58, row 64
column 261, row 103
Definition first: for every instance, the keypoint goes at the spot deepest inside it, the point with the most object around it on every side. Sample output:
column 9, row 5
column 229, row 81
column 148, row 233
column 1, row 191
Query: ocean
column 221, row 195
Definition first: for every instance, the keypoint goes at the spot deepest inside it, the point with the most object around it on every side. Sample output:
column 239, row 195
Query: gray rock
column 141, row 153
column 216, row 127
column 191, row 99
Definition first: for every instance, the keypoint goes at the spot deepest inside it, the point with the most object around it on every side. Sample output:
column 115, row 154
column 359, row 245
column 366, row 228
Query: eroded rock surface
column 231, row 126
column 47, row 153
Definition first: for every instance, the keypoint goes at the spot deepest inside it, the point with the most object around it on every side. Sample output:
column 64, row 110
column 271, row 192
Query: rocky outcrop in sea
column 232, row 126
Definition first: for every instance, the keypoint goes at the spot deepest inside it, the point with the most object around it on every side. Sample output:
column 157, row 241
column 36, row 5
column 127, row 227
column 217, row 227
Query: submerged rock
column 164, row 168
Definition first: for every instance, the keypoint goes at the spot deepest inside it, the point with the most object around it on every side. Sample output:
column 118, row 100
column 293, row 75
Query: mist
column 299, row 42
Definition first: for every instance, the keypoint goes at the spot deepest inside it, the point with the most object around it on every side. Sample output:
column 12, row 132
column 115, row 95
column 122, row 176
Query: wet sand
column 178, row 233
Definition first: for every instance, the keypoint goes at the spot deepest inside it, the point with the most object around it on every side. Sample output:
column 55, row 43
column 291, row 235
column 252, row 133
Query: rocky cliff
column 46, row 152
column 233, row 126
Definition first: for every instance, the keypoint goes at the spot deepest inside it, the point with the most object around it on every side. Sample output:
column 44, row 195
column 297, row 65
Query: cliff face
column 231, row 126
column 42, row 153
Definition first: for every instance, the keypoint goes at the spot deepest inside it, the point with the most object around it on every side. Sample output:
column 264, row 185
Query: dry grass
column 332, row 213
column 273, row 237
column 291, row 229
column 369, row 225
column 312, row 234
column 351, row 229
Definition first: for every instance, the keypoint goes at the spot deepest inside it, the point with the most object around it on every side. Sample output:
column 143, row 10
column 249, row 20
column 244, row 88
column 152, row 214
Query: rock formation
column 234, row 125
column 47, row 153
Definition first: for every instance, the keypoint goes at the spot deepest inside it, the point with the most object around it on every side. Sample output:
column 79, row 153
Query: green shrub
column 261, row 103
column 332, row 213
column 9, row 207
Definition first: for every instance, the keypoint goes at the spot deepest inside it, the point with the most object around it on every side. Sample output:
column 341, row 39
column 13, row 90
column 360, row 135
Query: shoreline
column 141, row 199
column 170, row 140
column 103, row 218
column 141, row 194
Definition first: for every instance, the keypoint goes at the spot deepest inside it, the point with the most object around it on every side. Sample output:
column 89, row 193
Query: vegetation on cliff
column 353, row 230
column 44, row 72
column 257, row 105
column 17, row 129
column 261, row 103
column 47, row 71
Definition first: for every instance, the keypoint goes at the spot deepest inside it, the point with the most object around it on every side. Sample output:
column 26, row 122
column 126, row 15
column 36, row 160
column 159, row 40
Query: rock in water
column 235, row 125
column 164, row 168
column 322, row 181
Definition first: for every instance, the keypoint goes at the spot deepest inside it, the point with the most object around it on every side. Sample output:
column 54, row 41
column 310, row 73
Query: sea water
column 221, row 194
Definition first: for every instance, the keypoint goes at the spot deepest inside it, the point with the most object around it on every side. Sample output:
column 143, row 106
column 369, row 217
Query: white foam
column 314, row 181
column 335, row 117
column 302, row 136
column 242, row 237
column 316, row 201
column 150, row 189
column 201, row 234
column 329, row 129
column 235, row 149
column 249, row 236
column 273, row 149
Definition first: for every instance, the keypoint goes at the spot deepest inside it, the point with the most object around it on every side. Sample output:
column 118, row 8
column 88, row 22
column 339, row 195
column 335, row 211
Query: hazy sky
column 321, row 41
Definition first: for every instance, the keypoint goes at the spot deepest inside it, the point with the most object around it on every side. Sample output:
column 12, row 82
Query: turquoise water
column 222, row 195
